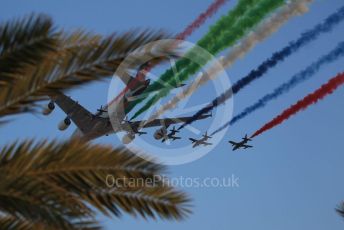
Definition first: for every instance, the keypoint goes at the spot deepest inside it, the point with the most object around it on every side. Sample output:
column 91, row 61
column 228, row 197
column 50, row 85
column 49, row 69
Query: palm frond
column 71, row 176
column 11, row 223
column 73, row 65
column 8, row 222
column 24, row 43
column 38, row 202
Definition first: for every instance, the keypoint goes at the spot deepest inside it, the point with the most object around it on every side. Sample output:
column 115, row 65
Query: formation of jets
column 171, row 135
column 93, row 125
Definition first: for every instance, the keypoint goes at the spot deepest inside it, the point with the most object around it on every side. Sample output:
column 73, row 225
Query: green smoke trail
column 225, row 23
column 228, row 38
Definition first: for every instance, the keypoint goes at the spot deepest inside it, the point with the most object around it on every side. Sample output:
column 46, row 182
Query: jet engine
column 128, row 138
column 64, row 124
column 48, row 108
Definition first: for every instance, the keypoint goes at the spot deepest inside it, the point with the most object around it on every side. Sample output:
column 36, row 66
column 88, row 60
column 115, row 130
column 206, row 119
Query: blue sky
column 291, row 179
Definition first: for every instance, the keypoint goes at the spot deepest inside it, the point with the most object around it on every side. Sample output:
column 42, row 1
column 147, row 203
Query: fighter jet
column 202, row 141
column 171, row 135
column 94, row 125
column 135, row 130
column 241, row 144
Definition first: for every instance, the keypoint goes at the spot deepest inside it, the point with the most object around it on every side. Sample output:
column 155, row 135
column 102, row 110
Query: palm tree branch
column 8, row 222
column 81, row 169
column 38, row 200
column 25, row 43
column 68, row 69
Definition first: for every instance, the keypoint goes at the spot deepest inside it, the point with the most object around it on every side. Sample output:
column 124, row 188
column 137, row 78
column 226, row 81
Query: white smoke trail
column 262, row 31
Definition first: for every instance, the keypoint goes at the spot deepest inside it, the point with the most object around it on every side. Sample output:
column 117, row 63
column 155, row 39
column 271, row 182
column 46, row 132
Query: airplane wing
column 247, row 146
column 232, row 142
column 207, row 143
column 165, row 122
column 193, row 140
column 78, row 114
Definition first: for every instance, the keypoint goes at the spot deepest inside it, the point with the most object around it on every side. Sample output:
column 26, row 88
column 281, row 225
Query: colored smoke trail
column 242, row 27
column 294, row 81
column 263, row 30
column 209, row 12
column 310, row 99
column 224, row 23
column 326, row 26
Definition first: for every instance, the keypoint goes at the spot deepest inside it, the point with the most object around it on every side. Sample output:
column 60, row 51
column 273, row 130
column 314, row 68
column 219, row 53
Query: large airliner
column 94, row 125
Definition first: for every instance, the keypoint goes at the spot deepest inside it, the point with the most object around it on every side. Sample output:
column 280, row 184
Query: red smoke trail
column 310, row 99
column 201, row 19
column 211, row 10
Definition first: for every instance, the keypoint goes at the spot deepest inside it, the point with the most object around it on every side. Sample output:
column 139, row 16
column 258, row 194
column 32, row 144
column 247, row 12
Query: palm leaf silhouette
column 61, row 185
column 58, row 62
column 25, row 43
column 53, row 183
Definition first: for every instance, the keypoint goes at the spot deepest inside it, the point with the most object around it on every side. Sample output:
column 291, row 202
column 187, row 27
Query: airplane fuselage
column 109, row 118
column 241, row 144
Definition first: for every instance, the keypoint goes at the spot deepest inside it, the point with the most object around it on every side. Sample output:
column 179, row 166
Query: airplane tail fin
column 174, row 130
column 206, row 135
column 247, row 138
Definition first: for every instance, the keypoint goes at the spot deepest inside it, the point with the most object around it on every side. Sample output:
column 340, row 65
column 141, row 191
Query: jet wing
column 206, row 143
column 232, row 142
column 78, row 114
column 247, row 146
column 193, row 140
column 165, row 122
